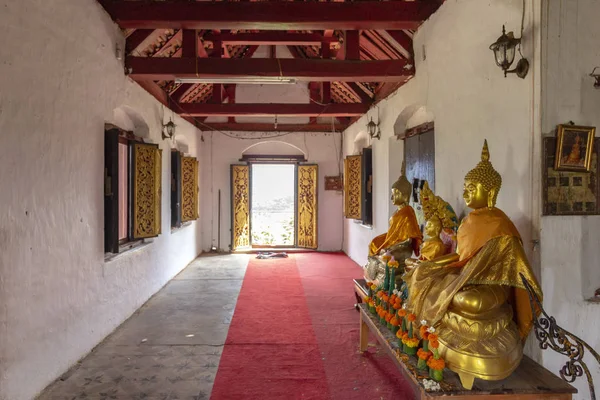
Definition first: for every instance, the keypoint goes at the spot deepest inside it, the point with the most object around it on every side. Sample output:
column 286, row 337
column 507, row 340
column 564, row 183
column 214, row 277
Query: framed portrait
column 574, row 148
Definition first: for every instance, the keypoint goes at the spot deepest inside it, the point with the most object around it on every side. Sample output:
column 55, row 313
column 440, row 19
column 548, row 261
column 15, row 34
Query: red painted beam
column 136, row 38
column 403, row 40
column 163, row 68
column 270, row 109
column 270, row 15
column 272, row 38
column 266, row 127
column 351, row 45
column 190, row 43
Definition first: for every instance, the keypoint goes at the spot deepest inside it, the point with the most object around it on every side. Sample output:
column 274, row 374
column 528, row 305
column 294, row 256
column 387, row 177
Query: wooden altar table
column 530, row 381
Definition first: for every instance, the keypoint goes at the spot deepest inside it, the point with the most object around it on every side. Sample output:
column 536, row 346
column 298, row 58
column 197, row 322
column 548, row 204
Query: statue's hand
column 411, row 263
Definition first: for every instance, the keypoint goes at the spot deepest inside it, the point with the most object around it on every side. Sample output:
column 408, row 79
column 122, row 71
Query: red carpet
column 294, row 335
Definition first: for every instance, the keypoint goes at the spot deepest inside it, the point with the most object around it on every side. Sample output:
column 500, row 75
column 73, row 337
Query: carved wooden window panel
column 353, row 187
column 189, row 189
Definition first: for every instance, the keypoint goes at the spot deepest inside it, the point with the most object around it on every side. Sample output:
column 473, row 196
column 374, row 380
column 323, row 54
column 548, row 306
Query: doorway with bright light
column 273, row 205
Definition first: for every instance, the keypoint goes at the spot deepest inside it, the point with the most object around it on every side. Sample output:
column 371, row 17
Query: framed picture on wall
column 574, row 148
column 570, row 192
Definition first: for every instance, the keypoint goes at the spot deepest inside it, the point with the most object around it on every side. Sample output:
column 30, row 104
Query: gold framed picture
column 574, row 147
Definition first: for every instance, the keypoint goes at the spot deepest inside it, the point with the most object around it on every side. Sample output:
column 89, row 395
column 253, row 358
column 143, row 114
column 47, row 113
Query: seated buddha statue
column 475, row 297
column 402, row 238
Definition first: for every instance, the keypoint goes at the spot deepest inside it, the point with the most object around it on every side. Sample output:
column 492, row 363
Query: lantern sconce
column 504, row 53
column 168, row 130
column 373, row 130
column 596, row 76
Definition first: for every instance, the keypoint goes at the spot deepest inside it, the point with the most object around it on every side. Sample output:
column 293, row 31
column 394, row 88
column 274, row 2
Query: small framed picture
column 574, row 147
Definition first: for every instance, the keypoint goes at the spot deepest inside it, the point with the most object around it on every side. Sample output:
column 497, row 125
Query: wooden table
column 530, row 381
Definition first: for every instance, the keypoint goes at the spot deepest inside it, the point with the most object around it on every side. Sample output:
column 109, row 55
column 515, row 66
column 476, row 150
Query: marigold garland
column 410, row 342
column 402, row 312
column 434, row 344
column 411, row 317
column 423, row 355
column 394, row 321
column 437, row 364
column 433, row 336
column 400, row 334
column 423, row 332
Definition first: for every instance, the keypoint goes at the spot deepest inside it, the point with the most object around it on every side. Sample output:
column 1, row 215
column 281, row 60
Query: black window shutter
column 367, row 186
column 175, row 189
column 111, row 191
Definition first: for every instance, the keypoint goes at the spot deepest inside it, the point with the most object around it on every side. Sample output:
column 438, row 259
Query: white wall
column 569, row 244
column 220, row 151
column 460, row 85
column 59, row 84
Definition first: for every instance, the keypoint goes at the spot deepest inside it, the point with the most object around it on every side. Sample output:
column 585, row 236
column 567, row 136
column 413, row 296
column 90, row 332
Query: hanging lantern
column 168, row 130
column 373, row 130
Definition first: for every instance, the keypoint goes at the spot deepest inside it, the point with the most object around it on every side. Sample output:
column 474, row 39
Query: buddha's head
column 401, row 189
column 482, row 184
column 433, row 227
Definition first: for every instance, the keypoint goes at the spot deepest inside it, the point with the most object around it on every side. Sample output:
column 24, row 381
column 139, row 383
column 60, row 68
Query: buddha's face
column 433, row 227
column 399, row 198
column 475, row 195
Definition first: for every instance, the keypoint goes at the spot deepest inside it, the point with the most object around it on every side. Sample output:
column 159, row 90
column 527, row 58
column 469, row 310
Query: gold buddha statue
column 475, row 298
column 403, row 236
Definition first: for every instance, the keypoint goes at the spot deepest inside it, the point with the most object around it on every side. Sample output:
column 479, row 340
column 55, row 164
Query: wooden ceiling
column 352, row 54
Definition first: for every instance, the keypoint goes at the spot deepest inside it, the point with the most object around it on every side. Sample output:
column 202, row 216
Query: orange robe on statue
column 403, row 225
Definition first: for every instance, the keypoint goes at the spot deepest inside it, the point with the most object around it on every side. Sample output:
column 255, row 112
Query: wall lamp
column 373, row 129
column 504, row 53
column 168, row 130
column 596, row 76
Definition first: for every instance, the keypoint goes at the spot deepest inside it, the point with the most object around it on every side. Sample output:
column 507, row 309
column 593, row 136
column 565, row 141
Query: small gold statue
column 475, row 298
column 440, row 217
column 403, row 236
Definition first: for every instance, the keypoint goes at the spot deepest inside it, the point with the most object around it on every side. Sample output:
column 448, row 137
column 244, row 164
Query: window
column 358, row 185
column 184, row 189
column 132, row 191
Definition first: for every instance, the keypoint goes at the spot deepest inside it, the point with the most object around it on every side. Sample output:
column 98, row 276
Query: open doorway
column 273, row 205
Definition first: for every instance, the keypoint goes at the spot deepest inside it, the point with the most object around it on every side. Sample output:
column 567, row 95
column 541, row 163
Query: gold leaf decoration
column 189, row 189
column 146, row 190
column 307, row 206
column 352, row 187
column 240, row 202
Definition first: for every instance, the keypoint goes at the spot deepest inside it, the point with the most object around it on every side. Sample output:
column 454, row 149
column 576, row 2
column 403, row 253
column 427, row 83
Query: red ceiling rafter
column 270, row 15
column 272, row 38
column 267, row 109
column 403, row 40
column 136, row 38
column 270, row 127
column 160, row 68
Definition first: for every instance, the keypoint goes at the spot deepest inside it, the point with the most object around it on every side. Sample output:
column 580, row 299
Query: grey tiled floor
column 170, row 348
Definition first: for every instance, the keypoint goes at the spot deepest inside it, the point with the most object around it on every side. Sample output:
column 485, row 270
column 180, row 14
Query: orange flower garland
column 437, row 364
column 402, row 312
column 411, row 317
column 394, row 321
column 423, row 355
column 410, row 342
column 423, row 332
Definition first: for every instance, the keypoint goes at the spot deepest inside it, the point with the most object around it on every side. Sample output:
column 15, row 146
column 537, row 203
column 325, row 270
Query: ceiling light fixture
column 250, row 80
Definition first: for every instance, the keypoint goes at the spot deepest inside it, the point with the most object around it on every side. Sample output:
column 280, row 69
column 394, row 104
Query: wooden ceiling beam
column 403, row 40
column 270, row 15
column 272, row 109
column 270, row 127
column 136, row 38
column 162, row 68
column 272, row 38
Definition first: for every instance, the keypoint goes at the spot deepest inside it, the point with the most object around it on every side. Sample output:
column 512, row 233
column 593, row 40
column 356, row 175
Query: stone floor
column 170, row 348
